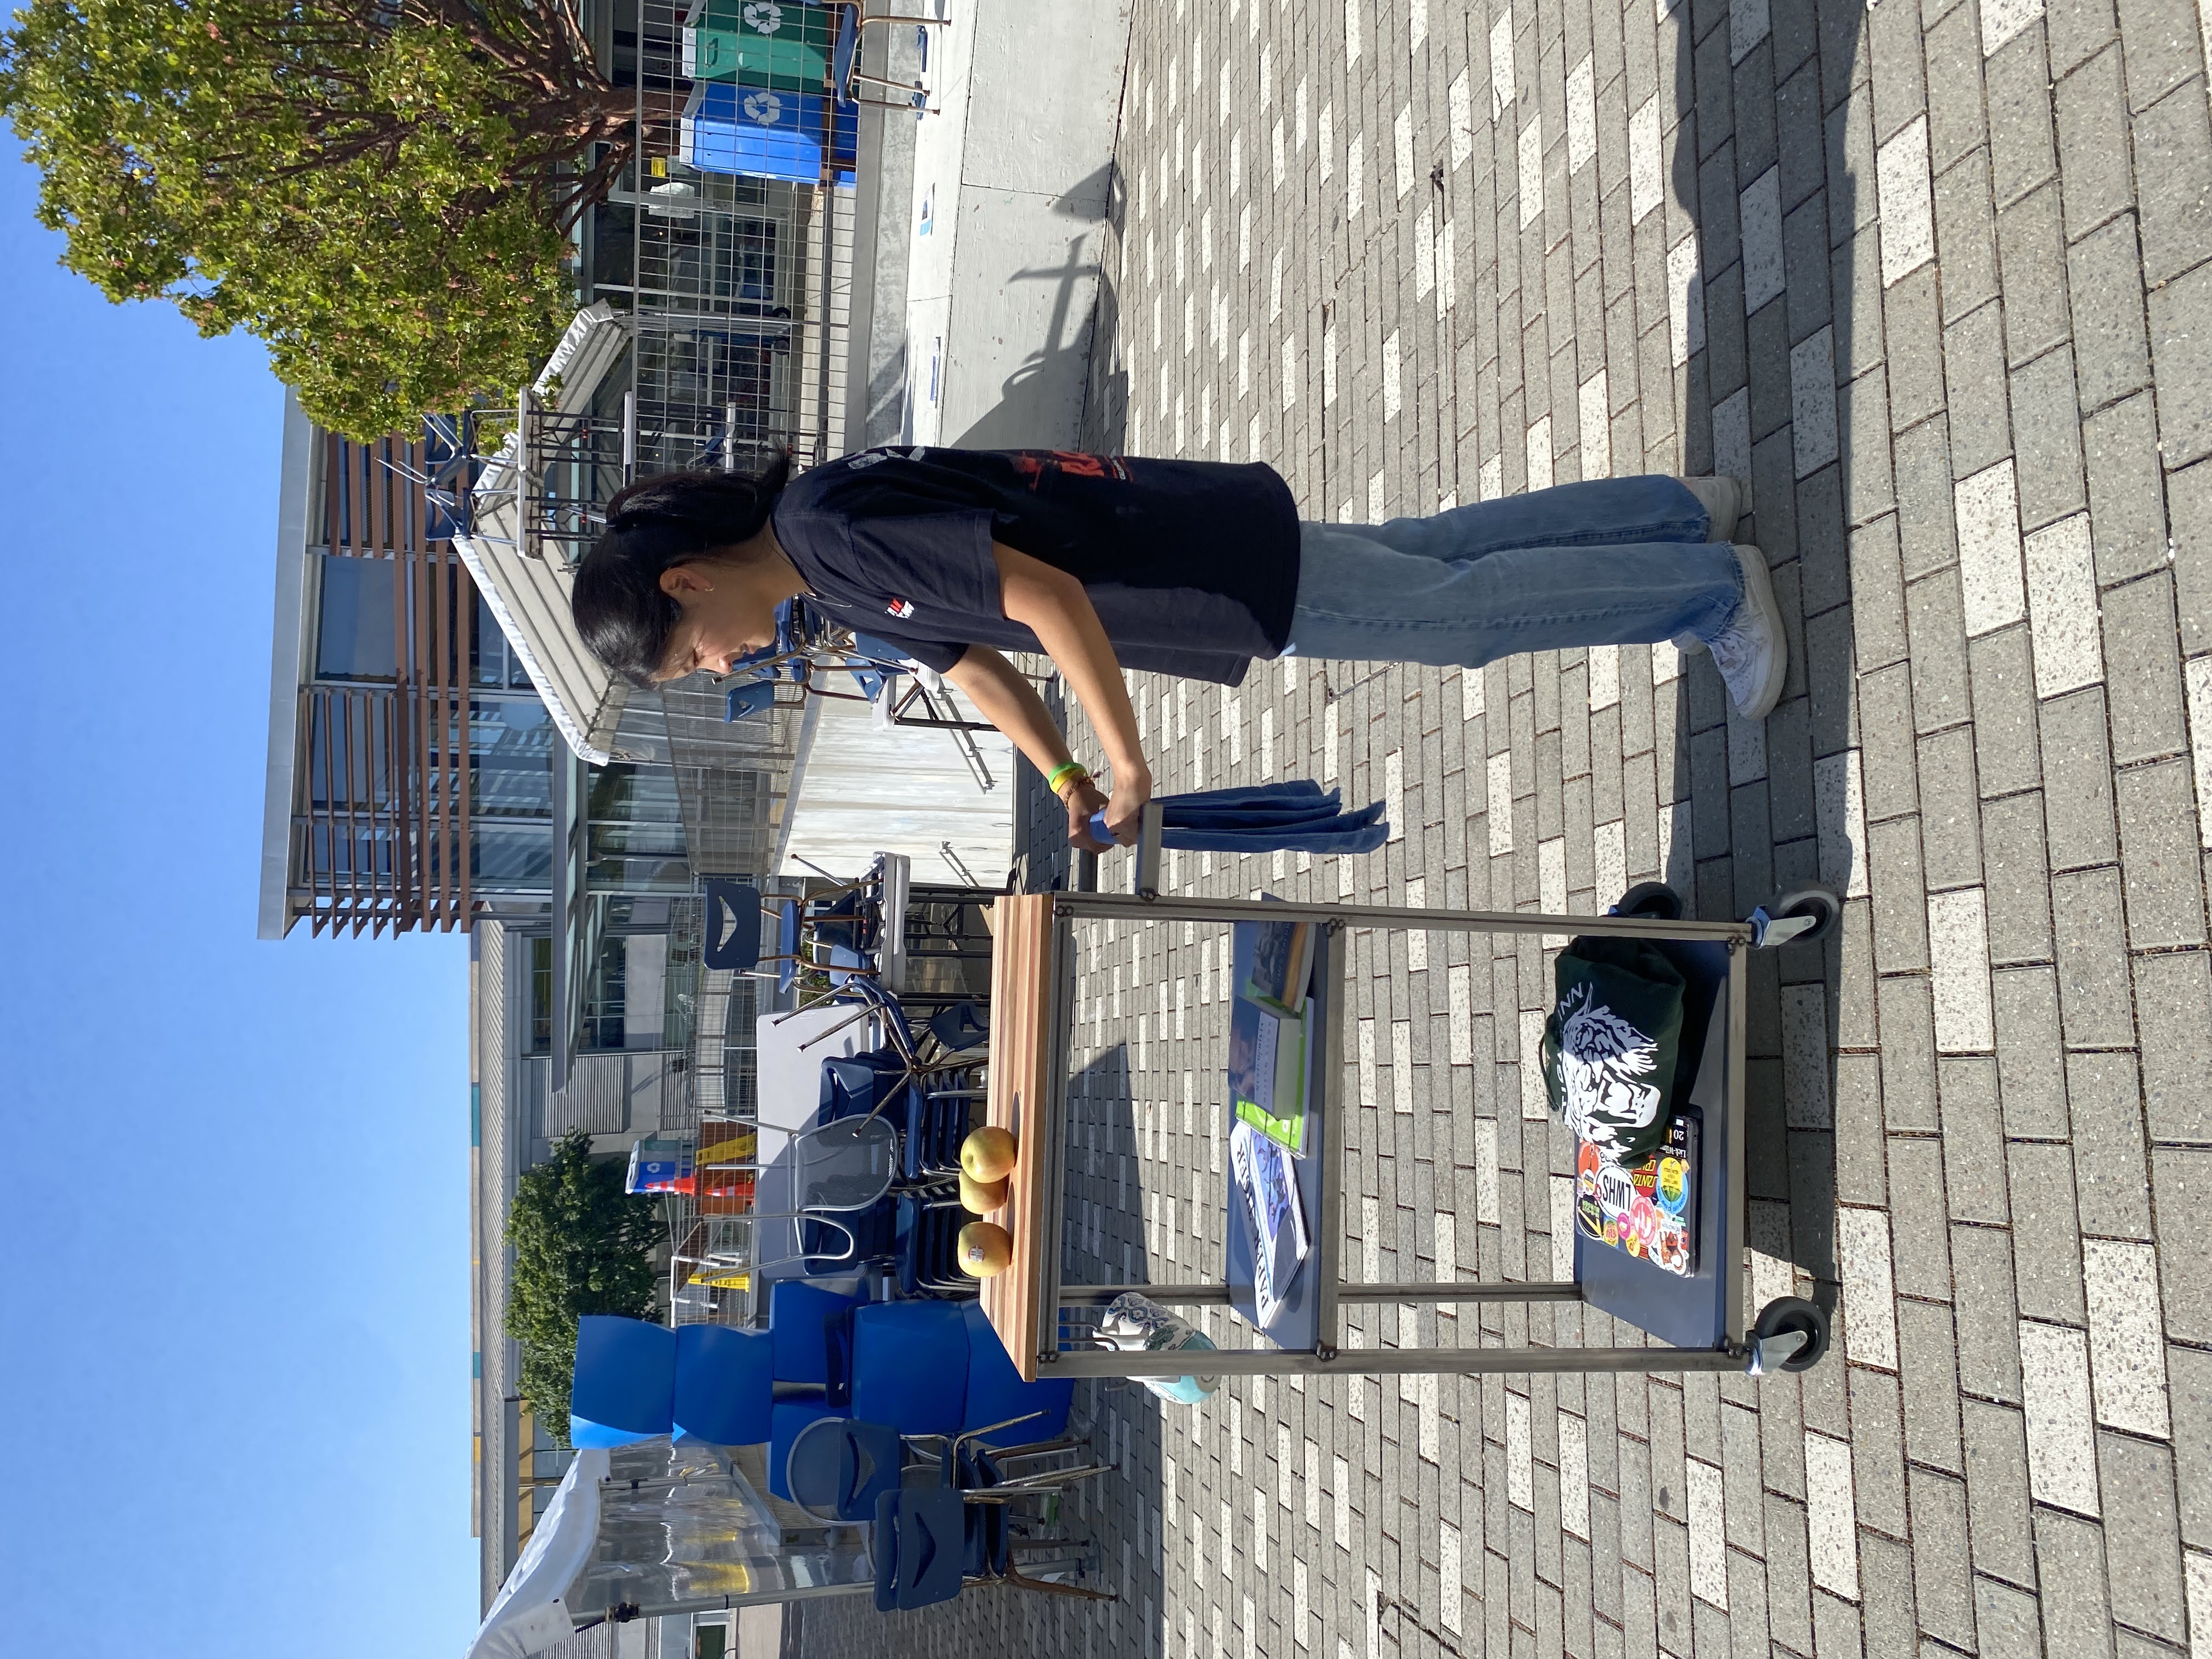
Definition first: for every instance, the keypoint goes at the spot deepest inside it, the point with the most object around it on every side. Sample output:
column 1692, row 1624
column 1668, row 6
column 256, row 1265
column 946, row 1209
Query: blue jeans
column 1609, row 561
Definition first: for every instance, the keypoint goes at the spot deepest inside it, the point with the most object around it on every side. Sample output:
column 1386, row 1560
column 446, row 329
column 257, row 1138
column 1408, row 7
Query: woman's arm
column 1051, row 605
column 1007, row 700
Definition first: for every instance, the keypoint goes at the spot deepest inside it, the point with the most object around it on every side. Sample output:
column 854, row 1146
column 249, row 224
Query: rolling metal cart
column 1700, row 1315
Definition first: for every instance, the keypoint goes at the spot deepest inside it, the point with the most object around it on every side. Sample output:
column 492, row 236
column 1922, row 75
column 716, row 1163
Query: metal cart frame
column 1789, row 1334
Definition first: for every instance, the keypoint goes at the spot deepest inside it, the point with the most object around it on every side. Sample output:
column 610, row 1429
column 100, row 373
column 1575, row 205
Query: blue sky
column 234, row 1308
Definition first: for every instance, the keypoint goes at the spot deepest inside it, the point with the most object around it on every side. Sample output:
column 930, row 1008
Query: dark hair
column 656, row 523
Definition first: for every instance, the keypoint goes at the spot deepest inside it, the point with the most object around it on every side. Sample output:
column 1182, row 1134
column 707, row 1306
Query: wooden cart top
column 1020, row 1094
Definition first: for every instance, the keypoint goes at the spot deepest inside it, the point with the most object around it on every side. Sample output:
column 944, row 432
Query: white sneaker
column 1753, row 654
column 1722, row 499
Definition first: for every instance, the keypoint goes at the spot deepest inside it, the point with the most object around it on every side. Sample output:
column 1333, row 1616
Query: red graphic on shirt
column 900, row 608
column 1035, row 464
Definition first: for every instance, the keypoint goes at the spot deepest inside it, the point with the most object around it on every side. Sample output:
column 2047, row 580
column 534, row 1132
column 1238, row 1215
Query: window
column 637, row 835
column 493, row 661
column 511, row 748
column 541, row 996
column 355, row 638
column 606, row 997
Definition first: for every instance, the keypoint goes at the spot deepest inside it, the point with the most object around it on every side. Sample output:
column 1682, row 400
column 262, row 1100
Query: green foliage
column 378, row 189
column 581, row 1246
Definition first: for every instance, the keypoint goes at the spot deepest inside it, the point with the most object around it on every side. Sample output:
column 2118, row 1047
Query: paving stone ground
column 1933, row 279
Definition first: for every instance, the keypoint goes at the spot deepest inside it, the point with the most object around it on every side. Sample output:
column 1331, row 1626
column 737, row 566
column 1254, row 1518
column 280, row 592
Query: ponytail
column 653, row 527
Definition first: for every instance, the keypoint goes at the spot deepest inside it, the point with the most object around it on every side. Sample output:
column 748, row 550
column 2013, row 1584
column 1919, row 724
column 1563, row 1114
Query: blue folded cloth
column 1294, row 816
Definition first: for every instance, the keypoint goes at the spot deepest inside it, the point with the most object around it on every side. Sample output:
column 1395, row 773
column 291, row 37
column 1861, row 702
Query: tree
column 581, row 1246
column 380, row 189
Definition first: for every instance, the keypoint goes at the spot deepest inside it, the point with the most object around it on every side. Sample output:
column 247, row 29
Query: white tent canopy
column 653, row 1530
column 529, row 1614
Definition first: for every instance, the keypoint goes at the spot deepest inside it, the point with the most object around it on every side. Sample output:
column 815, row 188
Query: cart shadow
column 1774, row 394
column 1103, row 1241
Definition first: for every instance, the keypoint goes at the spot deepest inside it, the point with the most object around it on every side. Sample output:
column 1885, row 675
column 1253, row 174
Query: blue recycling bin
column 758, row 132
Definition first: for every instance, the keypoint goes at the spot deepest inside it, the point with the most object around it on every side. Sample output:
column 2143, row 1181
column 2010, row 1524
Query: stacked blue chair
column 996, row 1392
column 920, row 1546
column 802, row 1318
column 936, row 1367
column 790, row 1419
column 927, row 1247
column 797, row 1315
column 837, row 1467
column 929, row 1540
column 624, row 1385
column 724, row 1385
column 931, row 1119
column 960, row 1027
column 909, row 1366
column 635, row 1381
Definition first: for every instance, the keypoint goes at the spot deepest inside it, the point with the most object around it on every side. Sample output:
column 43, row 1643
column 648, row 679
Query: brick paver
column 1934, row 279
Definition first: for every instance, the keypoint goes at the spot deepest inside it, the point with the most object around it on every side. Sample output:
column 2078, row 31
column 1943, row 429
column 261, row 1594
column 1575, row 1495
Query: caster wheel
column 1816, row 902
column 1795, row 1312
column 1653, row 900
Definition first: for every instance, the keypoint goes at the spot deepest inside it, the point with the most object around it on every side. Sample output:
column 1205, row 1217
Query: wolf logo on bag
column 1603, row 1061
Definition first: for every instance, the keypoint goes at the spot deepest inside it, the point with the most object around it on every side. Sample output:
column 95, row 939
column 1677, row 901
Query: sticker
column 1671, row 1191
column 1616, row 1190
column 1644, row 1223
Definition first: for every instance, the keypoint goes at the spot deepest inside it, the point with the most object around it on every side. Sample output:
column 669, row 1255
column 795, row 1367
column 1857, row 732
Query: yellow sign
column 720, row 1278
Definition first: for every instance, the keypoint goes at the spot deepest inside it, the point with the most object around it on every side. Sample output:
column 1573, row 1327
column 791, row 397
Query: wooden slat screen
column 380, row 836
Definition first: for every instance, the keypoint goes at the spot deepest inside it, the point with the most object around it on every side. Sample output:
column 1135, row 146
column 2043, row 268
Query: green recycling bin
column 781, row 45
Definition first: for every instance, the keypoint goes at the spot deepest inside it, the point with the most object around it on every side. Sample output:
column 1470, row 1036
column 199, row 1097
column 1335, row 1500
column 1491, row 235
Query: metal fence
column 735, row 287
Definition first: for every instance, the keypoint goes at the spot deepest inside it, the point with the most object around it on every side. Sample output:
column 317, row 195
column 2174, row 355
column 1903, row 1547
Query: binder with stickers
column 1648, row 1210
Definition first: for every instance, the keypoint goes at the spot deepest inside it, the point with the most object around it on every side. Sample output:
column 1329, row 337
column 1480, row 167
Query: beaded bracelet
column 1064, row 772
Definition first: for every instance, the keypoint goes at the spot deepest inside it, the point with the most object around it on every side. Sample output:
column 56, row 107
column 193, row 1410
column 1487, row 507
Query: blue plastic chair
column 623, row 1388
column 961, row 1026
column 787, row 1420
column 926, row 1251
column 832, row 1244
column 920, row 1547
column 749, row 701
column 930, row 1122
column 996, row 1393
column 909, row 1366
column 837, row 1467
column 724, row 1385
column 854, row 1085
column 739, row 905
column 797, row 1313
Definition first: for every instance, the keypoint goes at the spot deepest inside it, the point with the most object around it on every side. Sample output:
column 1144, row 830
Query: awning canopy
column 529, row 1614
column 528, row 591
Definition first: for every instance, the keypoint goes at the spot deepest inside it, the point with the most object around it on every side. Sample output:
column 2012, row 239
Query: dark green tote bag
column 1612, row 1044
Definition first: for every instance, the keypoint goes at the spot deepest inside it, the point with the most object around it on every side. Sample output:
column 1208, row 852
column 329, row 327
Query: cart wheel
column 1808, row 902
column 1655, row 899
column 1795, row 1312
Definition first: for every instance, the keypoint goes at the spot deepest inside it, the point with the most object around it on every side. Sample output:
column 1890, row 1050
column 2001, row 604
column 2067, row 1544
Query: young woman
column 1189, row 567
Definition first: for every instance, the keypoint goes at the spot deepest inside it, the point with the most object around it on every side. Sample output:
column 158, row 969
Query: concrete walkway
column 1934, row 279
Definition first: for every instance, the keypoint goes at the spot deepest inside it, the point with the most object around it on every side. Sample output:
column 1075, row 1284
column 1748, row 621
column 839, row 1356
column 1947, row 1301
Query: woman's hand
column 1083, row 798
column 1132, row 787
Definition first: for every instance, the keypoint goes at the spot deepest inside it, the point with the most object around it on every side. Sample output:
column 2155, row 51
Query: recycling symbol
column 762, row 109
column 764, row 16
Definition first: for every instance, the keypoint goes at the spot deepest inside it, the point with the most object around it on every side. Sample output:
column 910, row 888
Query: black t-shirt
column 1192, row 566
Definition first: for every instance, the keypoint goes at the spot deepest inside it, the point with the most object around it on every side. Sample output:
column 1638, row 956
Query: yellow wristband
column 1065, row 772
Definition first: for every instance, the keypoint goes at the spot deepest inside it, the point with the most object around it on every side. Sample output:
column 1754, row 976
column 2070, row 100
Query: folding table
column 1034, row 1003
